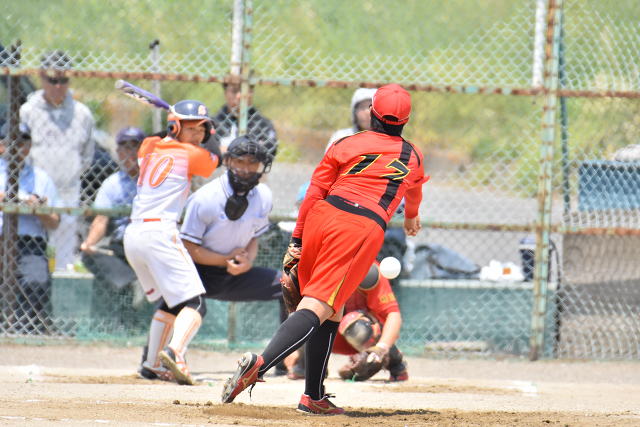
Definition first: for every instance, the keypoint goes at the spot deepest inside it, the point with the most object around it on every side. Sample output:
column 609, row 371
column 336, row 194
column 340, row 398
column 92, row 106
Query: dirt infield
column 94, row 386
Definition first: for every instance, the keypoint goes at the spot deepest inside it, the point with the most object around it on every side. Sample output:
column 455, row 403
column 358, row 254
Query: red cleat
column 399, row 372
column 319, row 407
column 245, row 376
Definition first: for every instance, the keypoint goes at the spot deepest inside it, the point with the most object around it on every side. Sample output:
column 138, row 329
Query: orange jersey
column 166, row 168
column 374, row 170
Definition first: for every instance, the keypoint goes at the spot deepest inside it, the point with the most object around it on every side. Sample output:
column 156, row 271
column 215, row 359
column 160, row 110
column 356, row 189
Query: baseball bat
column 102, row 251
column 141, row 95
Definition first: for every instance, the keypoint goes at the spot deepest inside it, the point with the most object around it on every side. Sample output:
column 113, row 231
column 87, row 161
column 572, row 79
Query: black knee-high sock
column 291, row 334
column 317, row 357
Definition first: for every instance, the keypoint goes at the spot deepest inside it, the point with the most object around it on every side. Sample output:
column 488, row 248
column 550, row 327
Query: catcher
column 367, row 334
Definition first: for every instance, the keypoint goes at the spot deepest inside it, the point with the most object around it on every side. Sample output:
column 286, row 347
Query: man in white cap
column 360, row 103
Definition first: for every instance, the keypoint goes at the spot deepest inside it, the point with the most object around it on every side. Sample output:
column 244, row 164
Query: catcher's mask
column 359, row 330
column 195, row 112
column 247, row 150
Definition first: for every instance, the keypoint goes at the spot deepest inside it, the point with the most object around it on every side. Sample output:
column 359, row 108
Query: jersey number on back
column 159, row 170
column 400, row 169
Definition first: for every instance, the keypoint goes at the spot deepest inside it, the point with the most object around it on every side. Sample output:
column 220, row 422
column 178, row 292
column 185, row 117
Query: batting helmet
column 189, row 110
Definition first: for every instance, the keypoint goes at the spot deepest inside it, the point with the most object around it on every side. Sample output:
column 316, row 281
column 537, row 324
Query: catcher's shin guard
column 319, row 407
column 246, row 376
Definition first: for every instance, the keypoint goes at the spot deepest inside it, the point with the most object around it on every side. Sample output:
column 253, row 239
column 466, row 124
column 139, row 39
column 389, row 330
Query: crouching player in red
column 354, row 192
column 370, row 325
column 152, row 243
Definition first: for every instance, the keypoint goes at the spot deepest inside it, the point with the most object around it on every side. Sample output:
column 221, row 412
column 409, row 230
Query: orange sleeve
column 201, row 162
column 147, row 146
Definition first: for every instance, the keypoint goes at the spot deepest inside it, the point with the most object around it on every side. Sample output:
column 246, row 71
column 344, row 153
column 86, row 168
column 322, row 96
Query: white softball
column 390, row 267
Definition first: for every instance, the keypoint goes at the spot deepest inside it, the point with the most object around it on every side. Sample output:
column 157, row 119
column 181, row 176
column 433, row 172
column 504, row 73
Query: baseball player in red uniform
column 371, row 324
column 152, row 243
column 354, row 192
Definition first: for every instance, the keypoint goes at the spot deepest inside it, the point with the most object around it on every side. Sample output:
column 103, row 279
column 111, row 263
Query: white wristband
column 383, row 346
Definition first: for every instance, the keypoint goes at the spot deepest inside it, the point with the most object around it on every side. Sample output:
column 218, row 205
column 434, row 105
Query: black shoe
column 399, row 372
column 147, row 374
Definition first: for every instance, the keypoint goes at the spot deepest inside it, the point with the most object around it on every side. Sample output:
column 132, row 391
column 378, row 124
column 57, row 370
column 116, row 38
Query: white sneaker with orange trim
column 177, row 365
column 161, row 373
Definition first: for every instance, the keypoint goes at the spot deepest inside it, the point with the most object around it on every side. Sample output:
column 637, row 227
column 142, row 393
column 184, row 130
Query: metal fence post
column 236, row 37
column 246, row 67
column 241, row 48
column 10, row 221
column 562, row 76
column 543, row 223
column 156, row 113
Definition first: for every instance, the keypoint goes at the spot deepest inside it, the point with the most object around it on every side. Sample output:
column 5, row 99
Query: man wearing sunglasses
column 62, row 145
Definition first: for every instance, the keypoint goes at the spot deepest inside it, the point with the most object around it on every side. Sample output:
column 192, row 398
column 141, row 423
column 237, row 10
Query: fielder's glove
column 291, row 289
column 292, row 257
column 359, row 369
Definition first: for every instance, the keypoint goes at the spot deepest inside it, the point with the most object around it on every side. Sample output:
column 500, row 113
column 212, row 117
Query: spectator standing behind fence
column 226, row 121
column 118, row 190
column 61, row 128
column 36, row 189
column 360, row 103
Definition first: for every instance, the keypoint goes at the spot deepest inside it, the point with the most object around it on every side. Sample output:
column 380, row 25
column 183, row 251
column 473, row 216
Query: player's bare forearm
column 391, row 329
column 204, row 256
column 412, row 226
column 97, row 231
column 50, row 221
column 252, row 250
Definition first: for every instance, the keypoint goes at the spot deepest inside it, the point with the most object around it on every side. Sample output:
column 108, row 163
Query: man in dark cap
column 118, row 190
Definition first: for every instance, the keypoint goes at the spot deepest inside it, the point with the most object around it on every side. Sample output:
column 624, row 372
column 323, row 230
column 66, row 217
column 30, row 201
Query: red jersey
column 374, row 170
column 379, row 301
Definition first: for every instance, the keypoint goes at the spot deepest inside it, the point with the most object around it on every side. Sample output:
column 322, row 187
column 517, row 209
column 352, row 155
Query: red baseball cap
column 392, row 104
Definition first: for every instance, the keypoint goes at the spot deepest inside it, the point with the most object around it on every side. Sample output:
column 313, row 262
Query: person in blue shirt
column 118, row 190
column 36, row 188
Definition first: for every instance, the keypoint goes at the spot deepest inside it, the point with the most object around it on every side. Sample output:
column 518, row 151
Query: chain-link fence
column 526, row 113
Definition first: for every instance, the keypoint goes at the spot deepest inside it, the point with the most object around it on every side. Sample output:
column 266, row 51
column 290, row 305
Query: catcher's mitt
column 292, row 257
column 291, row 289
column 359, row 369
